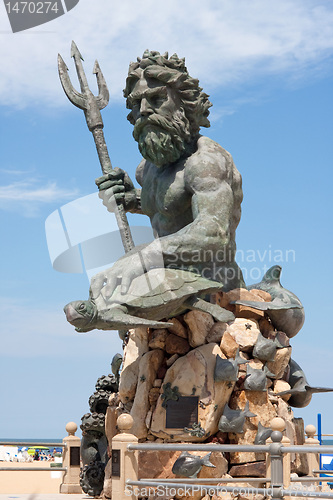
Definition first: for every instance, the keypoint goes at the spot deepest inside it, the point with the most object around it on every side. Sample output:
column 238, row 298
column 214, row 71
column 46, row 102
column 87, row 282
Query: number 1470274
column 32, row 7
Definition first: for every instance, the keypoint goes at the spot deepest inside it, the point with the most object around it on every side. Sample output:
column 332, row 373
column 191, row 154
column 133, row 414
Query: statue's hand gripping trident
column 91, row 106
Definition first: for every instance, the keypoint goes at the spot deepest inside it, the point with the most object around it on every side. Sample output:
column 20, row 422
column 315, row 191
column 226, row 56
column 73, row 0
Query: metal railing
column 70, row 481
column 276, row 452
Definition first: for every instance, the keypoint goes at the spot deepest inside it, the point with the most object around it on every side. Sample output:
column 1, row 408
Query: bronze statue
column 191, row 189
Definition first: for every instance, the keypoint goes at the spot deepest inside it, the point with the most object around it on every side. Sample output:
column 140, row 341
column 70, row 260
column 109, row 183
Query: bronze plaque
column 115, row 462
column 74, row 456
column 182, row 413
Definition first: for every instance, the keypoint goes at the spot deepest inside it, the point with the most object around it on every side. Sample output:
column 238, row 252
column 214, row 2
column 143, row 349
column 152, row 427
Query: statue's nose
column 145, row 108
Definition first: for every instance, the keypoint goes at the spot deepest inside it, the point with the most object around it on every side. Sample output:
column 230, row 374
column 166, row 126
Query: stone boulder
column 148, row 367
column 176, row 345
column 193, row 375
column 177, row 328
column 157, row 338
column 137, row 346
column 280, row 363
column 245, row 332
column 200, row 324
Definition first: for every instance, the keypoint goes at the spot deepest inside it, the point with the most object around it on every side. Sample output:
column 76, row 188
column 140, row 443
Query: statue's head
column 167, row 106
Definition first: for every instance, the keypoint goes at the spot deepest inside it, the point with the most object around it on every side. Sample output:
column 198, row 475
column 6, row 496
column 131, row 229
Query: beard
column 162, row 140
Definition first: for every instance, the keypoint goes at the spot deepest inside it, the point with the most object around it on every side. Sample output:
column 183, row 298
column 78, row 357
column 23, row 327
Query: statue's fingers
column 118, row 189
column 119, row 196
column 115, row 174
column 125, row 283
column 110, row 286
column 96, row 284
column 110, row 184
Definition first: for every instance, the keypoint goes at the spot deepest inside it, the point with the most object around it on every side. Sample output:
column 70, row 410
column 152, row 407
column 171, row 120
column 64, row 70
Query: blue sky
column 268, row 69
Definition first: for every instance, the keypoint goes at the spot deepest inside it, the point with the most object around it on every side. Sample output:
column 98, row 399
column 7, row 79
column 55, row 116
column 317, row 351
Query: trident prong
column 85, row 100
column 91, row 105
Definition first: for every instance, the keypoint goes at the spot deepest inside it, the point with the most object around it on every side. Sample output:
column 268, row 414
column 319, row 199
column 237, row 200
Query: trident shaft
column 91, row 106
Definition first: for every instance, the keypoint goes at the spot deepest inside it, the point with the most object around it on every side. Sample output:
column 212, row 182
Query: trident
column 91, row 106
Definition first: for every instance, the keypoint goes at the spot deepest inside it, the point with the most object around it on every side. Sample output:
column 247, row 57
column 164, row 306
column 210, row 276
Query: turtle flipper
column 266, row 306
column 116, row 319
column 218, row 312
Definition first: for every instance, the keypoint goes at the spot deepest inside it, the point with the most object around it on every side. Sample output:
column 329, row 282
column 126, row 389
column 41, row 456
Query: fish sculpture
column 300, row 390
column 155, row 295
column 256, row 380
column 263, row 433
column 265, row 349
column 227, row 369
column 188, row 465
column 285, row 311
column 116, row 364
column 233, row 420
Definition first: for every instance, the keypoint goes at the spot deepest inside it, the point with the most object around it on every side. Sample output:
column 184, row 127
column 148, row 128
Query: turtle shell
column 161, row 286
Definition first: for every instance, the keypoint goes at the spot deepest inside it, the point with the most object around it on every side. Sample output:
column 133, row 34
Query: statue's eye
column 81, row 307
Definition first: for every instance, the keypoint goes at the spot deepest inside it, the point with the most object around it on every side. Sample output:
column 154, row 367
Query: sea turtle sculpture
column 155, row 295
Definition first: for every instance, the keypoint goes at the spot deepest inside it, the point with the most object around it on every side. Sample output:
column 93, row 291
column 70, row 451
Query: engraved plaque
column 182, row 413
column 115, row 462
column 74, row 457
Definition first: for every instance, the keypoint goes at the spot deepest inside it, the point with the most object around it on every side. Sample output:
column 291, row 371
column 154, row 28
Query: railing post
column 124, row 463
column 313, row 458
column 275, row 464
column 71, row 460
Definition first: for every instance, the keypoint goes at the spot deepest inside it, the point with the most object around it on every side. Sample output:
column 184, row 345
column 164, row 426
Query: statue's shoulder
column 139, row 173
column 208, row 159
column 214, row 151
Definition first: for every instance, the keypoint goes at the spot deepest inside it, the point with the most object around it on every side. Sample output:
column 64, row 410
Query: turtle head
column 273, row 274
column 81, row 313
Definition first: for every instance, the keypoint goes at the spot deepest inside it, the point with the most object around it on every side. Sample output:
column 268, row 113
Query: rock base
column 170, row 386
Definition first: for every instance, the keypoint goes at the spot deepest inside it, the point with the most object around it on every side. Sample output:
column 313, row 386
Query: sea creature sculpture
column 301, row 392
column 196, row 430
column 116, row 364
column 265, row 349
column 157, row 294
column 188, row 465
column 263, row 433
column 256, row 380
column 233, row 420
column 285, row 310
column 227, row 369
column 169, row 394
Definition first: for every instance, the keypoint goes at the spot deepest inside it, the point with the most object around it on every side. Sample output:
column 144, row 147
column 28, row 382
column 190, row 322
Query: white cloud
column 27, row 194
column 224, row 43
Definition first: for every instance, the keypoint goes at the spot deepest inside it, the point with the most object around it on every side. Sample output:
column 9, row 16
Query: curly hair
column 172, row 72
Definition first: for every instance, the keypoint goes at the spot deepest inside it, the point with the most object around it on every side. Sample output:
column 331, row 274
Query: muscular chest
column 163, row 192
